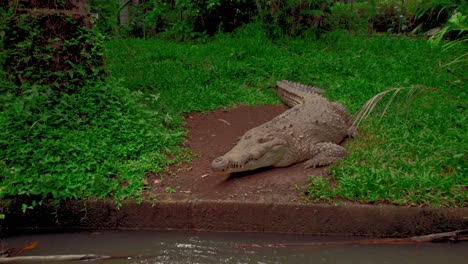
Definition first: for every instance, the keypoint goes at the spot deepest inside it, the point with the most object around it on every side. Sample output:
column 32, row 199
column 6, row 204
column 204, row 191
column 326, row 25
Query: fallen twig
column 454, row 236
column 224, row 121
column 23, row 259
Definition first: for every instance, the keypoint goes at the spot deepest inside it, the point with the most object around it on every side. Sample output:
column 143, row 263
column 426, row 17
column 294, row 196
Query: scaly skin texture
column 310, row 131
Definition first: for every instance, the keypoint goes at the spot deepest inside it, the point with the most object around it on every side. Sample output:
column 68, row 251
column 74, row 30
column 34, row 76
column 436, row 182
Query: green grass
column 99, row 143
column 417, row 157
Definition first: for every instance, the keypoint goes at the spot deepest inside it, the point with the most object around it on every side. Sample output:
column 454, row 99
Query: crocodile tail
column 295, row 87
column 352, row 132
column 289, row 99
column 292, row 93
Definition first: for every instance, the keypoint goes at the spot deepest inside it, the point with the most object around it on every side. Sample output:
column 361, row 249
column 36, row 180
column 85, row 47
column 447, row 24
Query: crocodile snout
column 219, row 164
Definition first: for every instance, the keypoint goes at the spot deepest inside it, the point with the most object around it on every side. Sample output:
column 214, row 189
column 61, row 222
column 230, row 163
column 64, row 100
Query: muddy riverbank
column 261, row 201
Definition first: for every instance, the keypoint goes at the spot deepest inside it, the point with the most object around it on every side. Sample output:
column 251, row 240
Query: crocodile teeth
column 237, row 165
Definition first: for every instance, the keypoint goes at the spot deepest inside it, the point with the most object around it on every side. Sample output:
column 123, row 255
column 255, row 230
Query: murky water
column 150, row 247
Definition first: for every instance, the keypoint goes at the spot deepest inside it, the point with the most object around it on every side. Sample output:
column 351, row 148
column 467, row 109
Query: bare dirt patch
column 213, row 134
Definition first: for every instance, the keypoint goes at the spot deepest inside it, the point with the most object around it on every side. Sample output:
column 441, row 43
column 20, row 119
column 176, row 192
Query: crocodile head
column 253, row 151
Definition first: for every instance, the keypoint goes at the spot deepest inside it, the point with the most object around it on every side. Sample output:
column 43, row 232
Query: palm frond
column 411, row 94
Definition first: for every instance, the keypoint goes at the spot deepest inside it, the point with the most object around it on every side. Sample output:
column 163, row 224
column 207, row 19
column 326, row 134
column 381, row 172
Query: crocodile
column 311, row 131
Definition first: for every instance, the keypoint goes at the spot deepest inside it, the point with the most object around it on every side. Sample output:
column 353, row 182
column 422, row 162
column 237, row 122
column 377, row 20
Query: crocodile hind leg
column 325, row 154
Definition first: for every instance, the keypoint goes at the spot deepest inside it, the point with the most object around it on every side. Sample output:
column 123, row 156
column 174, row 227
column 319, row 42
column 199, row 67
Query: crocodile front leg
column 325, row 154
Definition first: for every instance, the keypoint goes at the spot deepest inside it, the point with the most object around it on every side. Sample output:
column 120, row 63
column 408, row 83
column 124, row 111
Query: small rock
column 144, row 182
column 157, row 181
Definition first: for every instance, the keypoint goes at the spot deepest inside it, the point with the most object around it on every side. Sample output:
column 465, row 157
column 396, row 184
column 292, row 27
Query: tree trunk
column 124, row 15
column 318, row 18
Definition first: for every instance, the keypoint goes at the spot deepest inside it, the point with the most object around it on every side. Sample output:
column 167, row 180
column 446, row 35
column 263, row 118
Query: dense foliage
column 97, row 142
column 55, row 49
column 187, row 19
column 65, row 133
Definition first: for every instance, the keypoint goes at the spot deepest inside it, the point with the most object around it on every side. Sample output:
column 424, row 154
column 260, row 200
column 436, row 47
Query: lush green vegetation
column 93, row 144
column 415, row 155
column 65, row 133
column 99, row 139
column 100, row 142
column 189, row 19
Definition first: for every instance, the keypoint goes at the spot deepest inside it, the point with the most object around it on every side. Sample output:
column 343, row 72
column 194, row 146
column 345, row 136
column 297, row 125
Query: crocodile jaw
column 248, row 156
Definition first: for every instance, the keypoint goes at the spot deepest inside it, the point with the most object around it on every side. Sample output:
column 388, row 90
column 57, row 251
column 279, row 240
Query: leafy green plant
column 437, row 8
column 394, row 16
column 293, row 17
column 53, row 50
column 181, row 19
column 348, row 17
column 106, row 16
column 5, row 13
column 435, row 13
column 170, row 190
column 458, row 22
column 319, row 189
column 96, row 143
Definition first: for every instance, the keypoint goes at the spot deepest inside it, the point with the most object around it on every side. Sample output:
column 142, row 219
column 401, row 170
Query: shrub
column 95, row 143
column 65, row 134
column 51, row 48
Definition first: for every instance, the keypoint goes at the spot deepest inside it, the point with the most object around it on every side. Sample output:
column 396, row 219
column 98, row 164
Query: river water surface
column 151, row 247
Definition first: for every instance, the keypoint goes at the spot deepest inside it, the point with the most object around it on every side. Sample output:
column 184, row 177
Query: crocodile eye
column 276, row 147
column 263, row 140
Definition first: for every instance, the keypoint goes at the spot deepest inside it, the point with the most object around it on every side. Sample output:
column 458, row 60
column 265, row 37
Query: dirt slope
column 213, row 134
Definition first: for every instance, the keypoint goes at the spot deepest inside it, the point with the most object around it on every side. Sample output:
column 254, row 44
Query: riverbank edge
column 346, row 219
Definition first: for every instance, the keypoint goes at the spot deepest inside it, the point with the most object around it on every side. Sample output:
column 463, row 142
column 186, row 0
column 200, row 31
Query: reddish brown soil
column 212, row 135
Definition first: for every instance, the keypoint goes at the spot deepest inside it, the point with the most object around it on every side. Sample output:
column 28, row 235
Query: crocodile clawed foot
column 313, row 163
column 327, row 154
